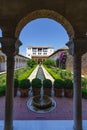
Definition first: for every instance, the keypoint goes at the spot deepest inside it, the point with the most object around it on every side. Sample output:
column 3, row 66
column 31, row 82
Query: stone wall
column 69, row 63
column 84, row 64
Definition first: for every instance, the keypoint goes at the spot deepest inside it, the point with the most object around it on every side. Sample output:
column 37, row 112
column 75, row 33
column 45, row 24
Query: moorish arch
column 71, row 14
column 45, row 14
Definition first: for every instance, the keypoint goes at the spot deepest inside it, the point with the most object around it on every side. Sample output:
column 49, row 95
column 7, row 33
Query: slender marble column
column 77, row 48
column 77, row 105
column 9, row 93
column 10, row 48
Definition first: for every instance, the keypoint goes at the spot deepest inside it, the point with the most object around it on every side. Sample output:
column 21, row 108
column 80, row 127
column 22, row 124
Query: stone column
column 77, row 48
column 10, row 47
column 77, row 93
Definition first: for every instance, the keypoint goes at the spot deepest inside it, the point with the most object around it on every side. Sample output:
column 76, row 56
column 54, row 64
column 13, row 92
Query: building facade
column 20, row 61
column 69, row 60
column 39, row 53
column 57, row 53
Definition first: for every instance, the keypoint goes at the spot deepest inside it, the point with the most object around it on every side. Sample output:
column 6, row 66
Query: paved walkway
column 63, row 110
column 33, row 74
column 61, row 118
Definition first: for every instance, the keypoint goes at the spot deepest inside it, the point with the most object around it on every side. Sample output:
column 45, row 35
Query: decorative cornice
column 10, row 46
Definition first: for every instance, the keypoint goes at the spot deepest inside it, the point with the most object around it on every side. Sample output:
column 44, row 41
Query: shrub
column 65, row 74
column 84, row 93
column 84, row 82
column 2, row 90
column 36, row 83
column 25, row 83
column 31, row 63
column 26, row 73
column 49, row 63
column 16, row 83
column 68, row 83
column 47, row 83
column 58, row 83
column 52, row 73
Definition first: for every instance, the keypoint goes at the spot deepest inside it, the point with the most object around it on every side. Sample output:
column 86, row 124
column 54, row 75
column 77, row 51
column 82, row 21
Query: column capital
column 10, row 46
column 77, row 46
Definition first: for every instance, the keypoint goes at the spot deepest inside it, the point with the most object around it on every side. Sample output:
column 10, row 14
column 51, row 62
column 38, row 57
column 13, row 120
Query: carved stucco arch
column 45, row 14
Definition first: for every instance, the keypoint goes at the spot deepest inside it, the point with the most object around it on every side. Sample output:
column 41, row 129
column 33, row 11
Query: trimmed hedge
column 36, row 83
column 58, row 83
column 26, row 73
column 52, row 73
column 19, row 74
column 84, row 93
column 2, row 90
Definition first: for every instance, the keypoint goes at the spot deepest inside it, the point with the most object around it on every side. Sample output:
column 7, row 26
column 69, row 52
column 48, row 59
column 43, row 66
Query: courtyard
column 62, row 111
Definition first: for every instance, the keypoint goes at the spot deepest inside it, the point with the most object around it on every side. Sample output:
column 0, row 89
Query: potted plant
column 24, row 87
column 16, row 85
column 47, row 86
column 58, row 87
column 68, row 90
column 36, row 86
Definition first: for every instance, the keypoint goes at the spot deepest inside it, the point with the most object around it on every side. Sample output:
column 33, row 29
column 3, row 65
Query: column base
column 78, row 128
column 8, row 127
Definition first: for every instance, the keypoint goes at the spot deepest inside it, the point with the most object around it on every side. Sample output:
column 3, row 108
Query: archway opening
column 44, row 15
column 43, row 32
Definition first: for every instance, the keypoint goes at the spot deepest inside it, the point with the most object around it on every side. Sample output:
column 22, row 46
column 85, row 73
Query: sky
column 43, row 32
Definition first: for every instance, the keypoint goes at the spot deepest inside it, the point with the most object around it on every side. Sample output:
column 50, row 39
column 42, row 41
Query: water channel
column 41, row 103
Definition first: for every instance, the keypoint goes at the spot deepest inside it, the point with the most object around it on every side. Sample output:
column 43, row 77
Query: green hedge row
column 52, row 73
column 21, row 75
column 26, row 74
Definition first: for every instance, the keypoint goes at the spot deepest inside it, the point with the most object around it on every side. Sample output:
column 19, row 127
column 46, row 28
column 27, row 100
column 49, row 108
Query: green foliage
column 16, row 83
column 26, row 73
column 84, row 82
column 47, row 83
column 52, row 73
column 19, row 74
column 68, row 83
column 65, row 74
column 49, row 63
column 31, row 63
column 2, row 80
column 2, row 90
column 36, row 83
column 58, row 83
column 25, row 83
column 84, row 93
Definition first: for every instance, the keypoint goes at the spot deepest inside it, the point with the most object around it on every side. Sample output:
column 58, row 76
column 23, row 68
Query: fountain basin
column 44, row 103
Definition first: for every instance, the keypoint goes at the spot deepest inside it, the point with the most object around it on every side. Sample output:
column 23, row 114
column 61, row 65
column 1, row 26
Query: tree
column 48, row 62
column 31, row 63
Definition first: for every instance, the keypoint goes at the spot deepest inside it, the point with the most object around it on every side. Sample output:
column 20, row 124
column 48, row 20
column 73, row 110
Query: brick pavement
column 63, row 110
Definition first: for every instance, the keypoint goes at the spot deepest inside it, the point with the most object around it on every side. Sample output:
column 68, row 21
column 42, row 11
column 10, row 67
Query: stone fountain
column 41, row 103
